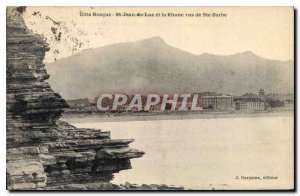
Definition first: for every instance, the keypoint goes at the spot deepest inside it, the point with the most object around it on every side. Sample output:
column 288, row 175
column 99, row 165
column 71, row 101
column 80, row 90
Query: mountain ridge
column 153, row 65
column 159, row 39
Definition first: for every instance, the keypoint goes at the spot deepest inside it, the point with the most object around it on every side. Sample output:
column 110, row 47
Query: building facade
column 249, row 103
column 216, row 102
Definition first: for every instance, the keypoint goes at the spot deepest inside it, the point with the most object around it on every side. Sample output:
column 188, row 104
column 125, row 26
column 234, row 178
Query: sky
column 266, row 31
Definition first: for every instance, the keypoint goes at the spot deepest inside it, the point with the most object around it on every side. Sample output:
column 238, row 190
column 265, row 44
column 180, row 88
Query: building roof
column 247, row 98
column 216, row 96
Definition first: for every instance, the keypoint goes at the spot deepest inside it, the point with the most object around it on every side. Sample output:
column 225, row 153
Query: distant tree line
column 274, row 103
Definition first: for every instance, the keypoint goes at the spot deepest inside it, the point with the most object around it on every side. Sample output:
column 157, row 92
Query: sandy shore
column 77, row 118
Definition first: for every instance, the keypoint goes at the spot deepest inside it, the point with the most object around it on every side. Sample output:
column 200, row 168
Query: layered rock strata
column 43, row 152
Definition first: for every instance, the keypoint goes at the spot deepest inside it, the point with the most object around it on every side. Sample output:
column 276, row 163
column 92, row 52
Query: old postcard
column 150, row 98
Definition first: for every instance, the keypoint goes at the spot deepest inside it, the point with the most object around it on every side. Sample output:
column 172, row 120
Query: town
column 200, row 102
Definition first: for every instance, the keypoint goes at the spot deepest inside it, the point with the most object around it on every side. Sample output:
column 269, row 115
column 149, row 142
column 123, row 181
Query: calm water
column 207, row 153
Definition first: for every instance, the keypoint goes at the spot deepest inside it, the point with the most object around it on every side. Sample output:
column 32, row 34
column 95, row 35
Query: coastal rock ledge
column 44, row 153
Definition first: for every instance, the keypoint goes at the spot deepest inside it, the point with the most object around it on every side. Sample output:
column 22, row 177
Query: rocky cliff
column 43, row 152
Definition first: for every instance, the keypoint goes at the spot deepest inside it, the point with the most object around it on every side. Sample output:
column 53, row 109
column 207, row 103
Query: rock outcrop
column 110, row 186
column 43, row 152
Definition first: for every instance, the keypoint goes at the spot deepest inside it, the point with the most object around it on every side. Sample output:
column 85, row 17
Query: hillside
column 151, row 65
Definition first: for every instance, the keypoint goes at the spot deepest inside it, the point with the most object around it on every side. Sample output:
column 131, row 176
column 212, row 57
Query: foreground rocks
column 43, row 152
column 110, row 186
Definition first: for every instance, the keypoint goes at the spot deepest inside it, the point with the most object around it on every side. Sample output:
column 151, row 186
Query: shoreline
column 81, row 118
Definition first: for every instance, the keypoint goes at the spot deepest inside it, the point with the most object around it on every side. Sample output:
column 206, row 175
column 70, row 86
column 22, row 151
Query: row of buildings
column 248, row 101
column 206, row 101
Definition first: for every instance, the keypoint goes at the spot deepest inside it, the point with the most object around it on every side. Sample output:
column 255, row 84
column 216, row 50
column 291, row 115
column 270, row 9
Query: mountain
column 151, row 65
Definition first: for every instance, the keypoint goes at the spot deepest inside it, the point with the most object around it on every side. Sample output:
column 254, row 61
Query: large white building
column 216, row 102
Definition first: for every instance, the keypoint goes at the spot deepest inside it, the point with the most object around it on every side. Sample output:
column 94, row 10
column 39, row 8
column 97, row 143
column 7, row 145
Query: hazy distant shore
column 84, row 117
